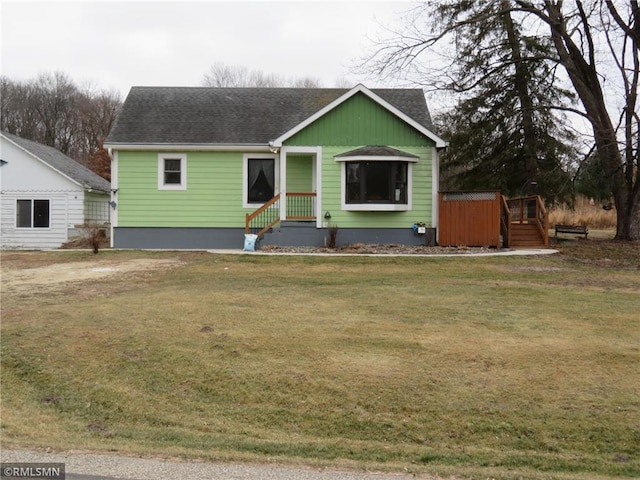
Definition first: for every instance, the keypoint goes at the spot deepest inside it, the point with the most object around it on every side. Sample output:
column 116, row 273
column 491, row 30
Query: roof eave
column 244, row 147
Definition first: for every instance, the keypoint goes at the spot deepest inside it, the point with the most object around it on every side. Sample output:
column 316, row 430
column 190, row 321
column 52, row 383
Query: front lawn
column 479, row 367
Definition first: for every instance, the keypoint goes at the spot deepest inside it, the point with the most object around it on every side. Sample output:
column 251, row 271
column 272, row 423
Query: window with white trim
column 33, row 214
column 260, row 179
column 376, row 182
column 377, row 178
column 172, row 171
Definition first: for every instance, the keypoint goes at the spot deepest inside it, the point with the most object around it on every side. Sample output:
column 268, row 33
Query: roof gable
column 204, row 116
column 357, row 120
column 61, row 163
column 414, row 104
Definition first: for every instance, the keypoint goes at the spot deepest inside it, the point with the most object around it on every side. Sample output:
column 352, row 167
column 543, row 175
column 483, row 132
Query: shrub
column 333, row 236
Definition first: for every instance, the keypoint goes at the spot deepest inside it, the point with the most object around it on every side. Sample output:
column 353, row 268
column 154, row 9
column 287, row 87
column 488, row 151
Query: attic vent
column 468, row 196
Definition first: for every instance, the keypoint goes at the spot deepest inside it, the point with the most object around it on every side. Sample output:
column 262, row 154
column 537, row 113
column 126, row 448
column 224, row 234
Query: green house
column 201, row 167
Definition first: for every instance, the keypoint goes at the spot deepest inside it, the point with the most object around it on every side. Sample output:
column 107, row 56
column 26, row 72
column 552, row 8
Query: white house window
column 376, row 182
column 376, row 178
column 33, row 214
column 172, row 171
column 259, row 179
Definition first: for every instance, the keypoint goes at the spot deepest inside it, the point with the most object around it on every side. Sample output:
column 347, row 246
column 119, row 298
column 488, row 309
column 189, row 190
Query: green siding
column 299, row 173
column 359, row 121
column 332, row 194
column 213, row 197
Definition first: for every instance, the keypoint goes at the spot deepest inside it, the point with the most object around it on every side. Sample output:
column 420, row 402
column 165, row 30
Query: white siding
column 35, row 238
column 24, row 177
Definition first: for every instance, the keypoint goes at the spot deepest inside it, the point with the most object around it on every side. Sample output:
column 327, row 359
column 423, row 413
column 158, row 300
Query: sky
column 114, row 45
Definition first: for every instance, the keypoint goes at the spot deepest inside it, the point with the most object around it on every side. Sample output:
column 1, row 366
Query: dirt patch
column 21, row 279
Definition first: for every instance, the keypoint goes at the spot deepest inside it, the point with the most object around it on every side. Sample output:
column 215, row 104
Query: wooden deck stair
column 526, row 235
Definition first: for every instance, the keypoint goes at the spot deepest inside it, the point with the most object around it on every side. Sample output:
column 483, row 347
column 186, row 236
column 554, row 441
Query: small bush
column 91, row 236
column 332, row 238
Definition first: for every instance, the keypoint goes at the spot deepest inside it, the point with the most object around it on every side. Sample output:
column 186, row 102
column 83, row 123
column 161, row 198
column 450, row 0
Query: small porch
column 288, row 206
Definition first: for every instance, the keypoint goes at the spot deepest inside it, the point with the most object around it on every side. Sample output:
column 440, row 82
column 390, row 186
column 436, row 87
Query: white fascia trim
column 440, row 143
column 179, row 147
column 43, row 162
column 376, row 158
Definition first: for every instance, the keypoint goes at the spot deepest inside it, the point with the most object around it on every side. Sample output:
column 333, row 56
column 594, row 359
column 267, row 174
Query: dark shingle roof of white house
column 60, row 162
column 235, row 116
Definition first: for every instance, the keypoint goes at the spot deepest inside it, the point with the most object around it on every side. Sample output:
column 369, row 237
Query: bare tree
column 52, row 110
column 223, row 75
column 575, row 33
column 597, row 43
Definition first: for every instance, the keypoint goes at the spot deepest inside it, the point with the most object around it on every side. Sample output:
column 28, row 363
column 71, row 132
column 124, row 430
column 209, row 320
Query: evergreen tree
column 502, row 132
column 503, row 70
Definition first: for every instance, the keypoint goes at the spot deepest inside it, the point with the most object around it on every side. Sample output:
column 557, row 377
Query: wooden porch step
column 526, row 235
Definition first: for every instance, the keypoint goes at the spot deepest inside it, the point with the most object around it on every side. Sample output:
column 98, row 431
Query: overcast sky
column 117, row 44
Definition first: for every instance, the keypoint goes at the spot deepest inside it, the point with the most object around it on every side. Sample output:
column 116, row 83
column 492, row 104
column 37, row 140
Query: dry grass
column 593, row 216
column 502, row 367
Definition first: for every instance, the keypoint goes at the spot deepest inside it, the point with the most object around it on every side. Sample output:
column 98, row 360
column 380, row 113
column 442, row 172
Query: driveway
column 90, row 466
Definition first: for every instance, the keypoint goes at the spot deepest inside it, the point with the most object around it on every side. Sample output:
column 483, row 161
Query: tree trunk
column 585, row 79
column 529, row 145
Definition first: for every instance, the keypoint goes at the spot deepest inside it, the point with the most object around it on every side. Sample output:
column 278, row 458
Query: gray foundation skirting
column 233, row 238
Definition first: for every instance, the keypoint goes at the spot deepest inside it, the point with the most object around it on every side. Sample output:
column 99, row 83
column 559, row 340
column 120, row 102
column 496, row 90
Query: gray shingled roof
column 62, row 163
column 234, row 116
column 377, row 151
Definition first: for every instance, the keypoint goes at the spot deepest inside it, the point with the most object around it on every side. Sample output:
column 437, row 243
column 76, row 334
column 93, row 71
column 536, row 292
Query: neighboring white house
column 45, row 195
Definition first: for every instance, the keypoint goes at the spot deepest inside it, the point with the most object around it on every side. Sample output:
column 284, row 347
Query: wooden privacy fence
column 470, row 218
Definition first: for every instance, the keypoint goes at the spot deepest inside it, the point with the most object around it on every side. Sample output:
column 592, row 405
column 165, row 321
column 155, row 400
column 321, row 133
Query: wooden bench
column 576, row 229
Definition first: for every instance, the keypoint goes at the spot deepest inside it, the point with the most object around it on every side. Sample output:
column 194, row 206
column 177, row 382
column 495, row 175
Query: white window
column 172, row 171
column 372, row 185
column 33, row 214
column 260, row 182
column 377, row 178
column 376, row 183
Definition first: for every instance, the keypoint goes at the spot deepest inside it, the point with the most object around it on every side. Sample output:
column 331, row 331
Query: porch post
column 283, row 184
column 435, row 189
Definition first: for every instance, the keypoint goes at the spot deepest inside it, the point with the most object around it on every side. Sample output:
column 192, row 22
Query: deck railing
column 530, row 210
column 505, row 222
column 299, row 206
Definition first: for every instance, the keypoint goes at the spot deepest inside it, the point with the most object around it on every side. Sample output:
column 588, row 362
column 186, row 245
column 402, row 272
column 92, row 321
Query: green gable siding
column 213, row 197
column 332, row 193
column 359, row 121
column 299, row 173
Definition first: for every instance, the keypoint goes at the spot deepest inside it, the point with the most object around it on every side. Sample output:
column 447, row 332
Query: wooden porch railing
column 299, row 206
column 505, row 222
column 530, row 210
